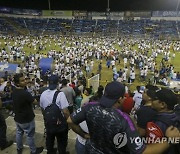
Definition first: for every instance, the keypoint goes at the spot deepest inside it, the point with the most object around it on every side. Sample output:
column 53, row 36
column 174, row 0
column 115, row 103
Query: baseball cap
column 142, row 88
column 166, row 96
column 53, row 82
column 113, row 91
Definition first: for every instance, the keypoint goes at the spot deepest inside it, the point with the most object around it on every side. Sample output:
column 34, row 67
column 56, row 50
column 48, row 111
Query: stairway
column 18, row 28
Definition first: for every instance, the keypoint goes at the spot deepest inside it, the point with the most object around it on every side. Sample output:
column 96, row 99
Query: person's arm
column 75, row 119
column 31, row 99
column 142, row 132
column 35, row 102
column 77, row 129
column 158, row 148
column 0, row 103
column 66, row 112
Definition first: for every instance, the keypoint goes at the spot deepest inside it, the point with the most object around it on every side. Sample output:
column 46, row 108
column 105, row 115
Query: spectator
column 86, row 96
column 78, row 100
column 137, row 97
column 3, row 139
column 69, row 93
column 145, row 113
column 128, row 103
column 163, row 102
column 24, row 115
column 105, row 121
column 61, row 101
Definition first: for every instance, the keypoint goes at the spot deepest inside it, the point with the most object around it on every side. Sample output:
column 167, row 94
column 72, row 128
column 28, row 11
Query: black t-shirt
column 22, row 103
column 106, row 128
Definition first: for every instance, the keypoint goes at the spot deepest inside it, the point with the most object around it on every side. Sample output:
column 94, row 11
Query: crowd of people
column 97, row 117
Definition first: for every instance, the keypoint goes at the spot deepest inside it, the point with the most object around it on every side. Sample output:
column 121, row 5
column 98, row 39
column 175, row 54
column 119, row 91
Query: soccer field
column 106, row 74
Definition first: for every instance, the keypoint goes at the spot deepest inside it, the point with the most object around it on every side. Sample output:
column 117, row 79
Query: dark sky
column 94, row 5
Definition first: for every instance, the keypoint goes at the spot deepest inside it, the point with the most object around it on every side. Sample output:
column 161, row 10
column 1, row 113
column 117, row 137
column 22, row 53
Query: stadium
column 89, row 49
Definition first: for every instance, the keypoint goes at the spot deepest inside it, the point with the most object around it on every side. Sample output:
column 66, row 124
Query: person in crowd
column 106, row 123
column 2, row 84
column 86, row 96
column 137, row 97
column 4, row 143
column 145, row 113
column 98, row 94
column 70, row 94
column 164, row 102
column 62, row 102
column 24, row 115
column 128, row 103
column 78, row 100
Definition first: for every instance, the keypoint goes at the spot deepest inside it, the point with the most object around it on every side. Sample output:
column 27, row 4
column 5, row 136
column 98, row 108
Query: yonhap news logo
column 120, row 140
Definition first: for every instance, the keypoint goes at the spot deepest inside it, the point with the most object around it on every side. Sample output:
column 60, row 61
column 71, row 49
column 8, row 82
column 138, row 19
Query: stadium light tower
column 108, row 10
column 49, row 4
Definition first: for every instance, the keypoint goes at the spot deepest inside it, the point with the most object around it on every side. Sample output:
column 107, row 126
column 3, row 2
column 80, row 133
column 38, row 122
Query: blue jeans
column 29, row 130
column 80, row 148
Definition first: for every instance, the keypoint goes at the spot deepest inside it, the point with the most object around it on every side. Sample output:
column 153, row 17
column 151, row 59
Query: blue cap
column 113, row 91
column 53, row 82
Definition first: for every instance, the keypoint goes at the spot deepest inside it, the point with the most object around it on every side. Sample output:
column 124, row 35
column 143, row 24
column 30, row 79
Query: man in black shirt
column 110, row 130
column 24, row 115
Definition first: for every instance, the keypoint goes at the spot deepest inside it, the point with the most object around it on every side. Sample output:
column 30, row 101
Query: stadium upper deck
column 157, row 24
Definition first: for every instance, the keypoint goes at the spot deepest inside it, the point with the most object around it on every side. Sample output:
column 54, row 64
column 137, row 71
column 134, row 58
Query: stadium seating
column 155, row 29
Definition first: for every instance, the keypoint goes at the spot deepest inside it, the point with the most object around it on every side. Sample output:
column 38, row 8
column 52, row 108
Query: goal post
column 94, row 82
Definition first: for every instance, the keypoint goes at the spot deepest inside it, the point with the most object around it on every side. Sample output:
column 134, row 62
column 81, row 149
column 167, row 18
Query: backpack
column 54, row 118
column 154, row 131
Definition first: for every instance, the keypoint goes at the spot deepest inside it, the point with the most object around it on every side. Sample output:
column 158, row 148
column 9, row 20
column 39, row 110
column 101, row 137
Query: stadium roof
column 94, row 5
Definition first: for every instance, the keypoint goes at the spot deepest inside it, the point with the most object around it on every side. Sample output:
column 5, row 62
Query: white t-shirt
column 137, row 99
column 84, row 127
column 47, row 97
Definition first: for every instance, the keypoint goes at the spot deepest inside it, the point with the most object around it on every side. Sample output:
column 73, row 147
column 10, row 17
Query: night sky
column 94, row 5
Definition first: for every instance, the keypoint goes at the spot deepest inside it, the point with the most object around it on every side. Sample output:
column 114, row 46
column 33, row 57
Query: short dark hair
column 17, row 77
column 64, row 82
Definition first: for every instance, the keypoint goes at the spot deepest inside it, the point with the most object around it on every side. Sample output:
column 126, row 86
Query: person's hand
column 86, row 136
column 172, row 132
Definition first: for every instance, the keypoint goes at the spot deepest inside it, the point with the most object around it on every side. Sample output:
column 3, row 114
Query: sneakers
column 38, row 150
column 19, row 151
column 8, row 144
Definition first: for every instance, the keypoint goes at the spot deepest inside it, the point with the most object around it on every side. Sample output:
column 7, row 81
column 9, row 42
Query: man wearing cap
column 111, row 130
column 163, row 102
column 61, row 101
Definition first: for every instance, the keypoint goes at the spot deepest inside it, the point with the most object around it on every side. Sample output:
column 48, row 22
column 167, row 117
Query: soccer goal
column 94, row 82
column 68, row 77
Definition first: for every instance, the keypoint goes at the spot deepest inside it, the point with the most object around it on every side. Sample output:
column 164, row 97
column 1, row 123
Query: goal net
column 68, row 77
column 94, row 82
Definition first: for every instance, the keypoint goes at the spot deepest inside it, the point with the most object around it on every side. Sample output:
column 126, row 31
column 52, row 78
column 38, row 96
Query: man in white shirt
column 137, row 98
column 61, row 101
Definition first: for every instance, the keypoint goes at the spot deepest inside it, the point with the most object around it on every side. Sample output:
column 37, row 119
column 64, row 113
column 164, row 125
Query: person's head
column 113, row 95
column 53, row 82
column 137, row 88
column 64, row 82
column 78, row 92
column 8, row 83
column 87, row 91
column 19, row 80
column 148, row 96
column 100, row 90
column 164, row 100
column 1, row 81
